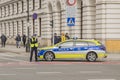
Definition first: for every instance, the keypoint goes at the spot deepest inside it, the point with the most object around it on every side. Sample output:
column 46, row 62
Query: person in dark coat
column 67, row 36
column 24, row 40
column 55, row 39
column 18, row 41
column 3, row 40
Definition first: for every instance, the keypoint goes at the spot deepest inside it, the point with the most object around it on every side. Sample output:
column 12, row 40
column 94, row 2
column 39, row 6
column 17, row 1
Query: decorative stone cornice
column 6, row 2
column 107, row 2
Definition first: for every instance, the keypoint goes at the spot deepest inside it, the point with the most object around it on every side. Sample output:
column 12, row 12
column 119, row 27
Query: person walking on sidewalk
column 24, row 40
column 34, row 46
column 3, row 40
column 18, row 41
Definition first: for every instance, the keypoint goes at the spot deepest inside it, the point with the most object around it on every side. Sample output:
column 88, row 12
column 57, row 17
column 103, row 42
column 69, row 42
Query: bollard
column 27, row 47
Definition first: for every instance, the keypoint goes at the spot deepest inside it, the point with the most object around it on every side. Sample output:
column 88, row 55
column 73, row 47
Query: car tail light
column 102, row 47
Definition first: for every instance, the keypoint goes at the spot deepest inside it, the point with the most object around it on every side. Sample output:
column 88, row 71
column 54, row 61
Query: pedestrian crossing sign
column 71, row 21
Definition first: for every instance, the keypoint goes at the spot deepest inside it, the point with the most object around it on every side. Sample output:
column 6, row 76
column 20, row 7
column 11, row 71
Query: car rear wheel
column 91, row 56
column 49, row 56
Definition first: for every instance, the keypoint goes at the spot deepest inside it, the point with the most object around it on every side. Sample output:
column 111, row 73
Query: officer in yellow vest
column 34, row 46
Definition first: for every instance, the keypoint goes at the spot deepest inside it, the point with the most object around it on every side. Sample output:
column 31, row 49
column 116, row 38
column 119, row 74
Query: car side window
column 81, row 43
column 66, row 44
column 91, row 44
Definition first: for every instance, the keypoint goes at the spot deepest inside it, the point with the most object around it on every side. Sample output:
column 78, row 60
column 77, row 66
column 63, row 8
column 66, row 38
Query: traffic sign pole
column 71, row 14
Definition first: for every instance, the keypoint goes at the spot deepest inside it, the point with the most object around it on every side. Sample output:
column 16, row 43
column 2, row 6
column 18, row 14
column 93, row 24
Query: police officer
column 34, row 46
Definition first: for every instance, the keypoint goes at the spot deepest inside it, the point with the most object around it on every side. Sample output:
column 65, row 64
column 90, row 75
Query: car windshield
column 91, row 44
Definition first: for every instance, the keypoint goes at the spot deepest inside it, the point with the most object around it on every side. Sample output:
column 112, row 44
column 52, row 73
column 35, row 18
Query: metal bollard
column 27, row 47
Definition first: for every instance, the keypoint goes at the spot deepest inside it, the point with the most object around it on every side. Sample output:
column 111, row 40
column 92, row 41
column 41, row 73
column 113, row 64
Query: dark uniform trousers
column 3, row 43
column 33, row 51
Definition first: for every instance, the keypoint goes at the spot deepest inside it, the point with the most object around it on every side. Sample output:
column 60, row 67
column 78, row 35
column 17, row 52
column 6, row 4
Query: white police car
column 85, row 49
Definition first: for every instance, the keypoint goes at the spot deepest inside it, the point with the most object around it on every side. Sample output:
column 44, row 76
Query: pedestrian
column 67, row 36
column 34, row 46
column 55, row 39
column 18, row 41
column 3, row 40
column 63, row 37
column 59, row 39
column 24, row 40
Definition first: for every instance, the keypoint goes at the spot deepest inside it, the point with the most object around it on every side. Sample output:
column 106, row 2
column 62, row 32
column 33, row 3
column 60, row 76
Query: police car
column 90, row 50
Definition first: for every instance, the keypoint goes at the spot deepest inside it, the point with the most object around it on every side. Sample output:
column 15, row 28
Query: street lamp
column 28, row 42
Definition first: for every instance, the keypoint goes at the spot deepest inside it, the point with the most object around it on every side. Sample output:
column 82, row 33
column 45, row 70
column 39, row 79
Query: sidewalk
column 22, row 50
column 13, row 49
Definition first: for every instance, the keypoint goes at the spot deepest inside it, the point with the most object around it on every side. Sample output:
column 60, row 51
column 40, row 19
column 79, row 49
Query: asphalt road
column 17, row 67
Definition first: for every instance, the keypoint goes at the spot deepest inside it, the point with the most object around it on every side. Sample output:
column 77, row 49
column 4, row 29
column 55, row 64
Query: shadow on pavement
column 69, row 61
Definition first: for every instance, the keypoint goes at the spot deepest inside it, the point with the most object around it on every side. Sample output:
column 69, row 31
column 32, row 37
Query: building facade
column 95, row 19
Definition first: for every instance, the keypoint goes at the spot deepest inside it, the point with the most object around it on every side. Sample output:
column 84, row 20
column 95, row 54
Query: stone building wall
column 95, row 19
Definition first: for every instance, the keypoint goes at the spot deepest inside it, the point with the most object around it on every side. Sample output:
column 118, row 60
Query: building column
column 24, row 5
column 0, row 29
column 30, row 26
column 7, row 29
column 3, row 11
column 0, row 12
column 57, row 22
column 3, row 28
column 36, row 26
column 25, row 27
column 14, row 8
column 11, row 9
column 89, row 14
column 11, row 29
column 20, row 27
column 19, row 6
column 15, row 28
column 108, row 24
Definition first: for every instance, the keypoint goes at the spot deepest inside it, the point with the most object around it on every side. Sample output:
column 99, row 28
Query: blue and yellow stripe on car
column 73, row 55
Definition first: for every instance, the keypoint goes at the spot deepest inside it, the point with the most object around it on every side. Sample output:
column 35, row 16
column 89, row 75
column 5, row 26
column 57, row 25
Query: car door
column 64, row 50
column 81, row 48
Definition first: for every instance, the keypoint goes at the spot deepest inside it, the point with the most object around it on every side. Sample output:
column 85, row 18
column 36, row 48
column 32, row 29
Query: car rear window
column 91, row 44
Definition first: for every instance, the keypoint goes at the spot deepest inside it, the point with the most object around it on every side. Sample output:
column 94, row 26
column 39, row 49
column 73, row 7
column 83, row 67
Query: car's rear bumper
column 102, row 55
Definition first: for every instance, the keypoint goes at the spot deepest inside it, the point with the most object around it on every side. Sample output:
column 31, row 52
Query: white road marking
column 62, row 64
column 101, row 79
column 13, row 55
column 10, row 59
column 48, row 72
column 7, row 74
column 7, row 55
column 86, row 72
column 26, row 68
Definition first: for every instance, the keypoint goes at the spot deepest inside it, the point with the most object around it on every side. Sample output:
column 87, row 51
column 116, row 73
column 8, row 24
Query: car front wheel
column 49, row 56
column 91, row 56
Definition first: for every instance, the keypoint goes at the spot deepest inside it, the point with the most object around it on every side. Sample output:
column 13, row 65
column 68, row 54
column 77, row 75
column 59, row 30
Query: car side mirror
column 59, row 46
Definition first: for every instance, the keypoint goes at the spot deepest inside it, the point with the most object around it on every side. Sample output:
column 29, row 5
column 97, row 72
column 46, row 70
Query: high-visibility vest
column 63, row 38
column 35, row 44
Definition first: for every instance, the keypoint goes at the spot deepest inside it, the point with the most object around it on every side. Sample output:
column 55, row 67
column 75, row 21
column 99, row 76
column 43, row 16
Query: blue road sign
column 71, row 21
column 35, row 16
